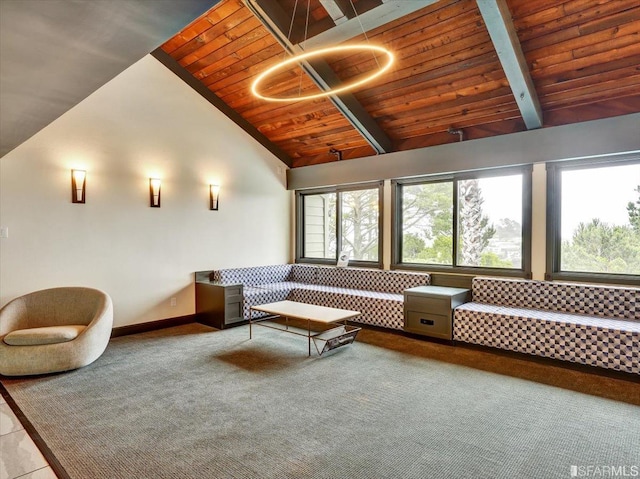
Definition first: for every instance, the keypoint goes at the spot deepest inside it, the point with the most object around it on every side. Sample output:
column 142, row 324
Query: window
column 337, row 220
column 320, row 225
column 427, row 223
column 360, row 224
column 490, row 222
column 465, row 222
column 593, row 221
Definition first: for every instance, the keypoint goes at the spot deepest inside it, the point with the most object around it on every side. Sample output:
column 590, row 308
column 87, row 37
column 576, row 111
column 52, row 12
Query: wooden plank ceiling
column 583, row 57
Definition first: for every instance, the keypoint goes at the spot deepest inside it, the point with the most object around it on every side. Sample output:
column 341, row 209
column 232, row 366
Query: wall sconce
column 78, row 185
column 214, row 195
column 154, row 192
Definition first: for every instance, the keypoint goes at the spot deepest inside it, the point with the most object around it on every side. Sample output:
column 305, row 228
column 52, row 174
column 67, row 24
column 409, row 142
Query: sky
column 494, row 192
column 597, row 193
column 586, row 194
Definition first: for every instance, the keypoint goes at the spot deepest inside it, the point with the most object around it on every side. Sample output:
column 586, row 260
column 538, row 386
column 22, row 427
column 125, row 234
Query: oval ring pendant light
column 255, row 86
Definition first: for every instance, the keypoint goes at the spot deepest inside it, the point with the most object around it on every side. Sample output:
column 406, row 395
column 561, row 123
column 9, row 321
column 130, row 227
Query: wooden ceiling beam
column 503, row 34
column 274, row 19
column 346, row 7
column 351, row 9
column 389, row 11
column 335, row 11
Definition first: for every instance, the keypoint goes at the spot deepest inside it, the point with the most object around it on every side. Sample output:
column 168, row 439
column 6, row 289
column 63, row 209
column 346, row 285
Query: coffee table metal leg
column 250, row 317
column 309, row 334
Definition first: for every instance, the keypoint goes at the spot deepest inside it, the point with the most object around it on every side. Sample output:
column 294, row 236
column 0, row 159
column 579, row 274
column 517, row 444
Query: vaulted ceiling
column 482, row 67
column 55, row 53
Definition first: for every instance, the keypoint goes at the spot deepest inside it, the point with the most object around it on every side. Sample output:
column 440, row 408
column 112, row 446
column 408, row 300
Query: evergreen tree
column 474, row 228
column 602, row 248
column 634, row 212
column 412, row 245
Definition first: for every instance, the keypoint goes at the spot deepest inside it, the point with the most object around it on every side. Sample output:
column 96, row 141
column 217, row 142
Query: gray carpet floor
column 194, row 402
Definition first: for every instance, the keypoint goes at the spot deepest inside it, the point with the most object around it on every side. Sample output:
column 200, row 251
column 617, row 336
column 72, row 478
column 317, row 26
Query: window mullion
column 526, row 224
column 300, row 227
column 552, row 213
column 338, row 224
column 454, row 229
column 397, row 232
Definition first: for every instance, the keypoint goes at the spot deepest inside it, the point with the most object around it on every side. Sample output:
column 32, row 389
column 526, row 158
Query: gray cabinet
column 428, row 310
column 219, row 305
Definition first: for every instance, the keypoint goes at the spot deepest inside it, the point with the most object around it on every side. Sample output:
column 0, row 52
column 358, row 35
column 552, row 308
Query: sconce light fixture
column 214, row 195
column 154, row 192
column 78, row 185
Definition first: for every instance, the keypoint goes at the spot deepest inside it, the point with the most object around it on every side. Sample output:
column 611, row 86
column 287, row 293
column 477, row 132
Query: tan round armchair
column 54, row 330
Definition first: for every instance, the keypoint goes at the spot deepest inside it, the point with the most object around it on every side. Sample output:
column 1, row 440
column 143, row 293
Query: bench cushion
column 363, row 293
column 605, row 342
column 358, row 278
column 280, row 286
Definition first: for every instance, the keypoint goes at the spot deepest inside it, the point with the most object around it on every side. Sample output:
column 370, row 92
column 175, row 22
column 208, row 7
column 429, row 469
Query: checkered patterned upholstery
column 358, row 278
column 377, row 308
column 304, row 273
column 377, row 294
column 587, row 324
column 266, row 293
column 254, row 296
column 595, row 300
column 253, row 276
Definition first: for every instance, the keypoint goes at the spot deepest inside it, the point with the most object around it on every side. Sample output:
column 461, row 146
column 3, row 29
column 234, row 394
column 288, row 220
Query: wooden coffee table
column 311, row 313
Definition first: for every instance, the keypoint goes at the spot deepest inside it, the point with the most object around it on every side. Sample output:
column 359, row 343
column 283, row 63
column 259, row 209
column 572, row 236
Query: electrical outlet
column 174, row 301
column 4, row 231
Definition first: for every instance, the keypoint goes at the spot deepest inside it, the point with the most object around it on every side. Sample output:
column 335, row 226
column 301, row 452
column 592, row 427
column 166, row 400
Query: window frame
column 300, row 233
column 554, row 221
column 396, row 227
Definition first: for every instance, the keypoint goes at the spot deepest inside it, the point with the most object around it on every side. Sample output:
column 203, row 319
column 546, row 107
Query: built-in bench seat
column 377, row 307
column 587, row 324
column 377, row 294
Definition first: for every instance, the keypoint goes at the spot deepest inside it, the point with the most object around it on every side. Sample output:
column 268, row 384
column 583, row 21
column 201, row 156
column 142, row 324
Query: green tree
column 634, row 212
column 427, row 220
column 492, row 260
column 412, row 245
column 602, row 248
column 439, row 252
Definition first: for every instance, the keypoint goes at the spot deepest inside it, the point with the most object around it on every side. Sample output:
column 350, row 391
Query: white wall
column 146, row 122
